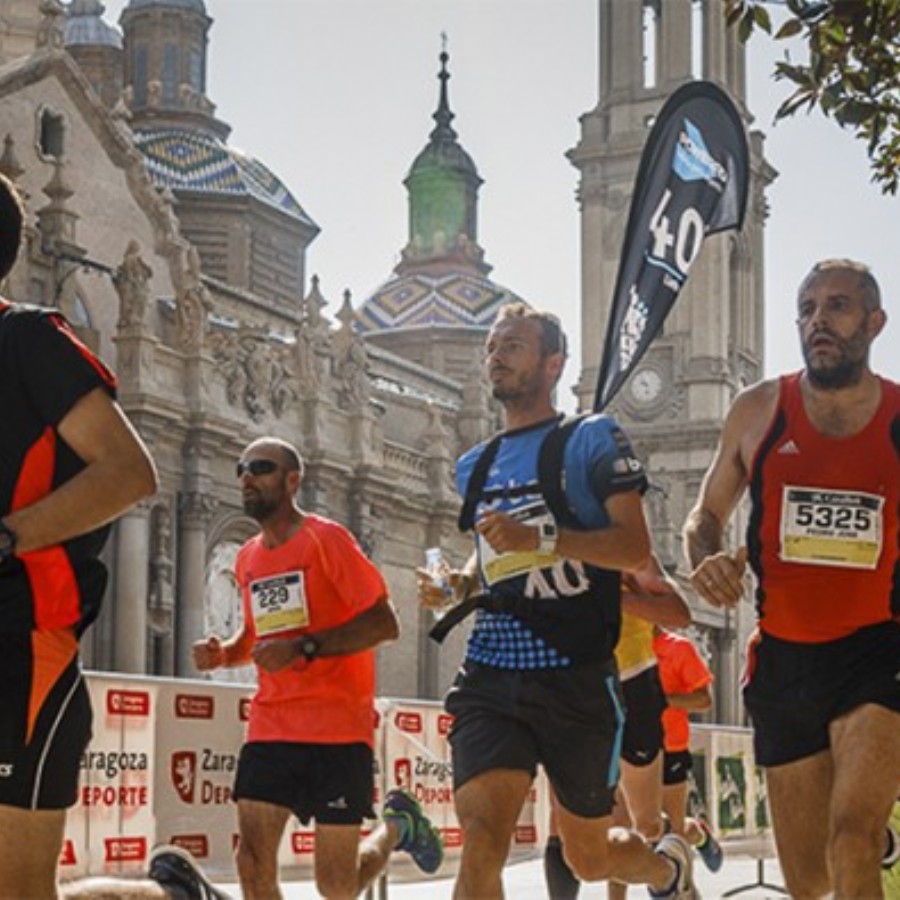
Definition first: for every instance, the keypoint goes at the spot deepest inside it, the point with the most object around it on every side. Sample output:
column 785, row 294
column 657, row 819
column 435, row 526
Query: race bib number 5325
column 831, row 527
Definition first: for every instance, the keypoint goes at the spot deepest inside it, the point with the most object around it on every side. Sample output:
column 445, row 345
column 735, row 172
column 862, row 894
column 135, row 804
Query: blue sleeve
column 464, row 466
column 601, row 460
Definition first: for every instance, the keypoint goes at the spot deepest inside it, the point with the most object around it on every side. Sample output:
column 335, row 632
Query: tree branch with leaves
column 853, row 71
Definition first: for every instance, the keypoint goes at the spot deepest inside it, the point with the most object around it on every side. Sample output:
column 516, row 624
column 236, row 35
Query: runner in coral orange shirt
column 314, row 609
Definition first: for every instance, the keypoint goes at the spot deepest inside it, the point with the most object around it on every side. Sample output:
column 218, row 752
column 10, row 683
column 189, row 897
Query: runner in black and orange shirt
column 69, row 464
column 820, row 453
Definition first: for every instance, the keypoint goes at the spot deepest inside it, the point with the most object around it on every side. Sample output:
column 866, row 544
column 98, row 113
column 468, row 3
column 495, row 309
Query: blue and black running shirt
column 543, row 611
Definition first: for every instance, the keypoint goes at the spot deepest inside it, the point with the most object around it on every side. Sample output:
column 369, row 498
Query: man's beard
column 848, row 369
column 522, row 389
column 259, row 507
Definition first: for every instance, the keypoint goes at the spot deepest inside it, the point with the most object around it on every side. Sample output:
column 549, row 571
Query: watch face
column 646, row 385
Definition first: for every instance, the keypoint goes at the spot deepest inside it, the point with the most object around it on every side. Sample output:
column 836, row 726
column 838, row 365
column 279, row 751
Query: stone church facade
column 182, row 262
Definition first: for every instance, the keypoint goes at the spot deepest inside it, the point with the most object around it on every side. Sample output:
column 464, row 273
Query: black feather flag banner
column 692, row 181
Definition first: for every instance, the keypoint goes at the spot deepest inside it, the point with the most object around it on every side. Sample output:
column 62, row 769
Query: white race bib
column 497, row 567
column 279, row 603
column 828, row 527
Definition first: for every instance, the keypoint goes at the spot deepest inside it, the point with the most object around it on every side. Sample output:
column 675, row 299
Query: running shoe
column 419, row 838
column 677, row 850
column 177, row 872
column 710, row 849
column 890, row 875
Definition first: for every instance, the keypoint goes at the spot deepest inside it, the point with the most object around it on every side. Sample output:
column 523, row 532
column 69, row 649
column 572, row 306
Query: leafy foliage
column 853, row 71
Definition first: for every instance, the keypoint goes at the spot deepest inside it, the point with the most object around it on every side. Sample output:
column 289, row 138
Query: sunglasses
column 256, row 467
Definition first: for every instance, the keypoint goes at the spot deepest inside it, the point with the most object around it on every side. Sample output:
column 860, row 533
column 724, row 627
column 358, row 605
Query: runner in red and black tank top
column 823, row 536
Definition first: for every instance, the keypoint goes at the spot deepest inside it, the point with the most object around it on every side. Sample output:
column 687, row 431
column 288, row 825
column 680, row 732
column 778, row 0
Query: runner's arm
column 118, row 473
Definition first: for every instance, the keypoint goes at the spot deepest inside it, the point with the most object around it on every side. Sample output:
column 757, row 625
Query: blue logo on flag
column 693, row 161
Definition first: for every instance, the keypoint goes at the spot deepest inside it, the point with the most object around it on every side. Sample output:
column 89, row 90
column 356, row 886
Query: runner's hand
column 719, row 579
column 275, row 654
column 208, row 653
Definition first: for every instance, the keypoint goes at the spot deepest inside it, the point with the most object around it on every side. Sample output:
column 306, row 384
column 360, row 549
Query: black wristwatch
column 309, row 647
column 8, row 540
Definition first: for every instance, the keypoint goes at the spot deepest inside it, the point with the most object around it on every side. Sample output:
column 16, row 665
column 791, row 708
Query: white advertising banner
column 161, row 766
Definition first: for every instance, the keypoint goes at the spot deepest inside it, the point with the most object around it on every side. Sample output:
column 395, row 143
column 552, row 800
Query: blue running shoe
column 420, row 839
column 710, row 850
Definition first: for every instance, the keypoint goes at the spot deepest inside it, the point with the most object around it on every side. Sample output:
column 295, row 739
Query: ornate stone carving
column 161, row 599
column 196, row 508
column 192, row 305
column 50, row 34
column 130, row 281
column 257, row 371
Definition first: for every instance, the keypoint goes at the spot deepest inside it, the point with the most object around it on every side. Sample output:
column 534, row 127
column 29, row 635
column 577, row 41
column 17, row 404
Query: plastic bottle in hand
column 438, row 568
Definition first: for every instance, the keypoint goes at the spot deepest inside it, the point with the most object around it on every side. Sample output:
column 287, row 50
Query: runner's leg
column 799, row 795
column 260, row 826
column 488, row 808
column 865, row 745
column 30, row 844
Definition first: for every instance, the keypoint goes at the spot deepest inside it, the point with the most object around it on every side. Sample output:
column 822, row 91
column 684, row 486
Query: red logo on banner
column 67, row 856
column 376, row 719
column 194, row 706
column 124, row 849
column 452, row 837
column 195, row 844
column 410, row 722
column 184, row 774
column 243, row 709
column 403, row 773
column 525, row 834
column 443, row 724
column 303, row 841
column 127, row 703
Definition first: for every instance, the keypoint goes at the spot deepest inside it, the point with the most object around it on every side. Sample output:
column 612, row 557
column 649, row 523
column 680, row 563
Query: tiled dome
column 194, row 161
column 422, row 300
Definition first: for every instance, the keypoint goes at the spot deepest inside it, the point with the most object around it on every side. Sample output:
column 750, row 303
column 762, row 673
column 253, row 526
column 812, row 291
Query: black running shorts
column 677, row 766
column 644, row 705
column 793, row 691
column 568, row 720
column 45, row 720
column 331, row 783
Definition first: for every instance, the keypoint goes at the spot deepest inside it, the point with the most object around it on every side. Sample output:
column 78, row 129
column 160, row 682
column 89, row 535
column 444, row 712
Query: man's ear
column 556, row 362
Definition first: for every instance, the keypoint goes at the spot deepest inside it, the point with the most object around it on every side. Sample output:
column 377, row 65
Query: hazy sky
column 336, row 97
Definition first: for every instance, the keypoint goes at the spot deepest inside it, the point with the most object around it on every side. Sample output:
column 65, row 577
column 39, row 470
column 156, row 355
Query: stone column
column 130, row 592
column 195, row 511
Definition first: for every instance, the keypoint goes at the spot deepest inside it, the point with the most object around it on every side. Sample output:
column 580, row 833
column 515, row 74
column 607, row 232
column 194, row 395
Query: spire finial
column 444, row 130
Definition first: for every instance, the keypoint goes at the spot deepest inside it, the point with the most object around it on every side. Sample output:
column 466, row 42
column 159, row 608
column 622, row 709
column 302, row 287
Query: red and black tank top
column 823, row 532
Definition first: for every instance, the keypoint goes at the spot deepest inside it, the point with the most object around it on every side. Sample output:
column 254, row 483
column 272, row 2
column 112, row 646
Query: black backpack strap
column 476, row 482
column 551, row 469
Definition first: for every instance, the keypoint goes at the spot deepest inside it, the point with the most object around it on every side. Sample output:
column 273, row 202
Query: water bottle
column 437, row 567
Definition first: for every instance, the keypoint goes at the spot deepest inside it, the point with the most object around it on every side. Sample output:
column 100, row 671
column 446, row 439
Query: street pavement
column 739, row 876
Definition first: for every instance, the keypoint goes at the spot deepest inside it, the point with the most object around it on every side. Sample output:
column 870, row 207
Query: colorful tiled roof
column 421, row 300
column 194, row 161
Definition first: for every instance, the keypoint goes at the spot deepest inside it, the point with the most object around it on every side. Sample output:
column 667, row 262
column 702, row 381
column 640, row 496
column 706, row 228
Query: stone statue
column 192, row 306
column 130, row 281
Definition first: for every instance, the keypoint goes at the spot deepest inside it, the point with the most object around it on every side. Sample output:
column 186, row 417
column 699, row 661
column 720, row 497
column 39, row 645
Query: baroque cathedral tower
column 711, row 346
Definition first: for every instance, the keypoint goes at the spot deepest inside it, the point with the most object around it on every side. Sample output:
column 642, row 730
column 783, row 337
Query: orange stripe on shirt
column 54, row 588
column 52, row 652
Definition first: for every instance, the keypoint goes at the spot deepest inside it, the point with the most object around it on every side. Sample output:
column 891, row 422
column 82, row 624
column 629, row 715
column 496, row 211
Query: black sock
column 561, row 883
